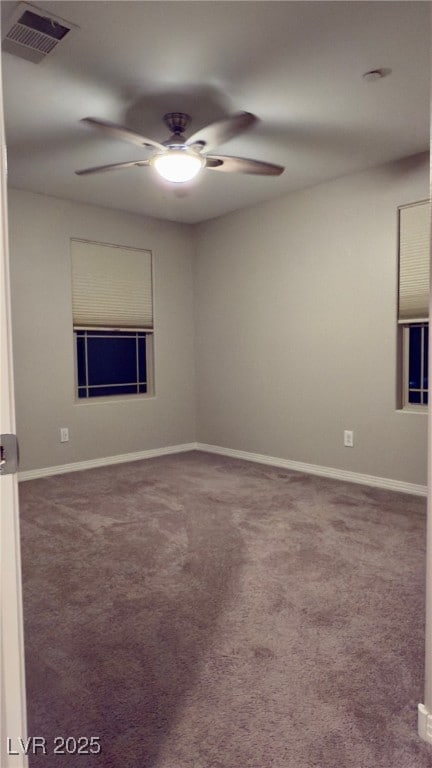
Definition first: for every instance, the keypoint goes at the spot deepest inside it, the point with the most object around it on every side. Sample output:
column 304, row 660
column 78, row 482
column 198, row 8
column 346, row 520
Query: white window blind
column 414, row 261
column 111, row 286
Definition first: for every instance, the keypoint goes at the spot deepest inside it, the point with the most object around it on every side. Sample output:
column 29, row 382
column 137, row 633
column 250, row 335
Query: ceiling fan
column 179, row 159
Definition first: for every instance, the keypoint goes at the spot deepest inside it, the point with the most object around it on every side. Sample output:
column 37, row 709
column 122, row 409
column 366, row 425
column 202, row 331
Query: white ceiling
column 296, row 65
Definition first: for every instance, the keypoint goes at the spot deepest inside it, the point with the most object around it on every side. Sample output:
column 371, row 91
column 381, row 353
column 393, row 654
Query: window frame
column 149, row 337
column 403, row 335
column 405, row 338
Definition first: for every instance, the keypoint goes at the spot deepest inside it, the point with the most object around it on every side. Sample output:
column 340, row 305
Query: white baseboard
column 315, row 469
column 424, row 723
column 298, row 466
column 77, row 466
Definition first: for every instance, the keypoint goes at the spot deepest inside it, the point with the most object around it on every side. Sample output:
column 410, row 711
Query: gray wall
column 296, row 326
column 40, row 229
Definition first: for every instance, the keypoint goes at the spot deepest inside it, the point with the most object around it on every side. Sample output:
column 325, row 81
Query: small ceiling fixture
column 376, row 74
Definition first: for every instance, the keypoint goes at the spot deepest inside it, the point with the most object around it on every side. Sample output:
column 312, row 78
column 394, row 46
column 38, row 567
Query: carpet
column 197, row 611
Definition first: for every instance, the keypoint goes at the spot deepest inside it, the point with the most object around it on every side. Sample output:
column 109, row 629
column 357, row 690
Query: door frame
column 13, row 722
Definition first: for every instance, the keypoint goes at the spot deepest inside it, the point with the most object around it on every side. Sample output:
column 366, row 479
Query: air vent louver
column 32, row 35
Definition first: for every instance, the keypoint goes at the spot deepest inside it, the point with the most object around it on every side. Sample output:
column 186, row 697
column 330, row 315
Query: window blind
column 111, row 286
column 414, row 261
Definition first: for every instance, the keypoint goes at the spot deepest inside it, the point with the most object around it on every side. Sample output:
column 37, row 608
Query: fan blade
column 218, row 133
column 121, row 132
column 242, row 165
column 111, row 167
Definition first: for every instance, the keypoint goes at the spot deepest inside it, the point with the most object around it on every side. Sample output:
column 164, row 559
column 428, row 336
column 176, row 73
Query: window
column 111, row 363
column 416, row 340
column 413, row 312
column 112, row 320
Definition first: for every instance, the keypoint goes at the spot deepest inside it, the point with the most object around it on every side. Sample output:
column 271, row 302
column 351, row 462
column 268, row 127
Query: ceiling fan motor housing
column 176, row 122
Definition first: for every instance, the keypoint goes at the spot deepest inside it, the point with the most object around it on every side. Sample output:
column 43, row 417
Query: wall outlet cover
column 348, row 438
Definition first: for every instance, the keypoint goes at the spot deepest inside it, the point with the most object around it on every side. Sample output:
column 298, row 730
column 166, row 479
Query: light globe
column 177, row 165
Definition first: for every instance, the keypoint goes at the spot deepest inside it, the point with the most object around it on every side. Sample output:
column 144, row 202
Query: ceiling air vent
column 32, row 34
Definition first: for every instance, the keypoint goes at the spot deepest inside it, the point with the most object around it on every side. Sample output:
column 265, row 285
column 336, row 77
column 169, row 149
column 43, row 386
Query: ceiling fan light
column 177, row 165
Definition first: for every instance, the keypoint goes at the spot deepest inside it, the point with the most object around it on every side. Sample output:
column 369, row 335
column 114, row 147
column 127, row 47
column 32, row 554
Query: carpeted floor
column 196, row 611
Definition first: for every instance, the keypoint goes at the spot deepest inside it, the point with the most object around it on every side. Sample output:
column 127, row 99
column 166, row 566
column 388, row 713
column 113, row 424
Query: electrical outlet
column 64, row 434
column 348, row 438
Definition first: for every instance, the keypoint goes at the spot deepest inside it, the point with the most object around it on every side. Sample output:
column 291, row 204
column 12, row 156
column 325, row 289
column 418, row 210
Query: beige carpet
column 196, row 611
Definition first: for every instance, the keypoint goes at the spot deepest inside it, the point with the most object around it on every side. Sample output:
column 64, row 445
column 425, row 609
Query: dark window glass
column 111, row 360
column 415, row 351
column 125, row 389
column 426, row 356
column 142, row 361
column 111, row 363
column 81, row 361
column 415, row 397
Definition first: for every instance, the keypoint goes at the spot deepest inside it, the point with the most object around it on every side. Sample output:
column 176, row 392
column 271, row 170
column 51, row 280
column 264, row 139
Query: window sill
column 421, row 409
column 115, row 399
